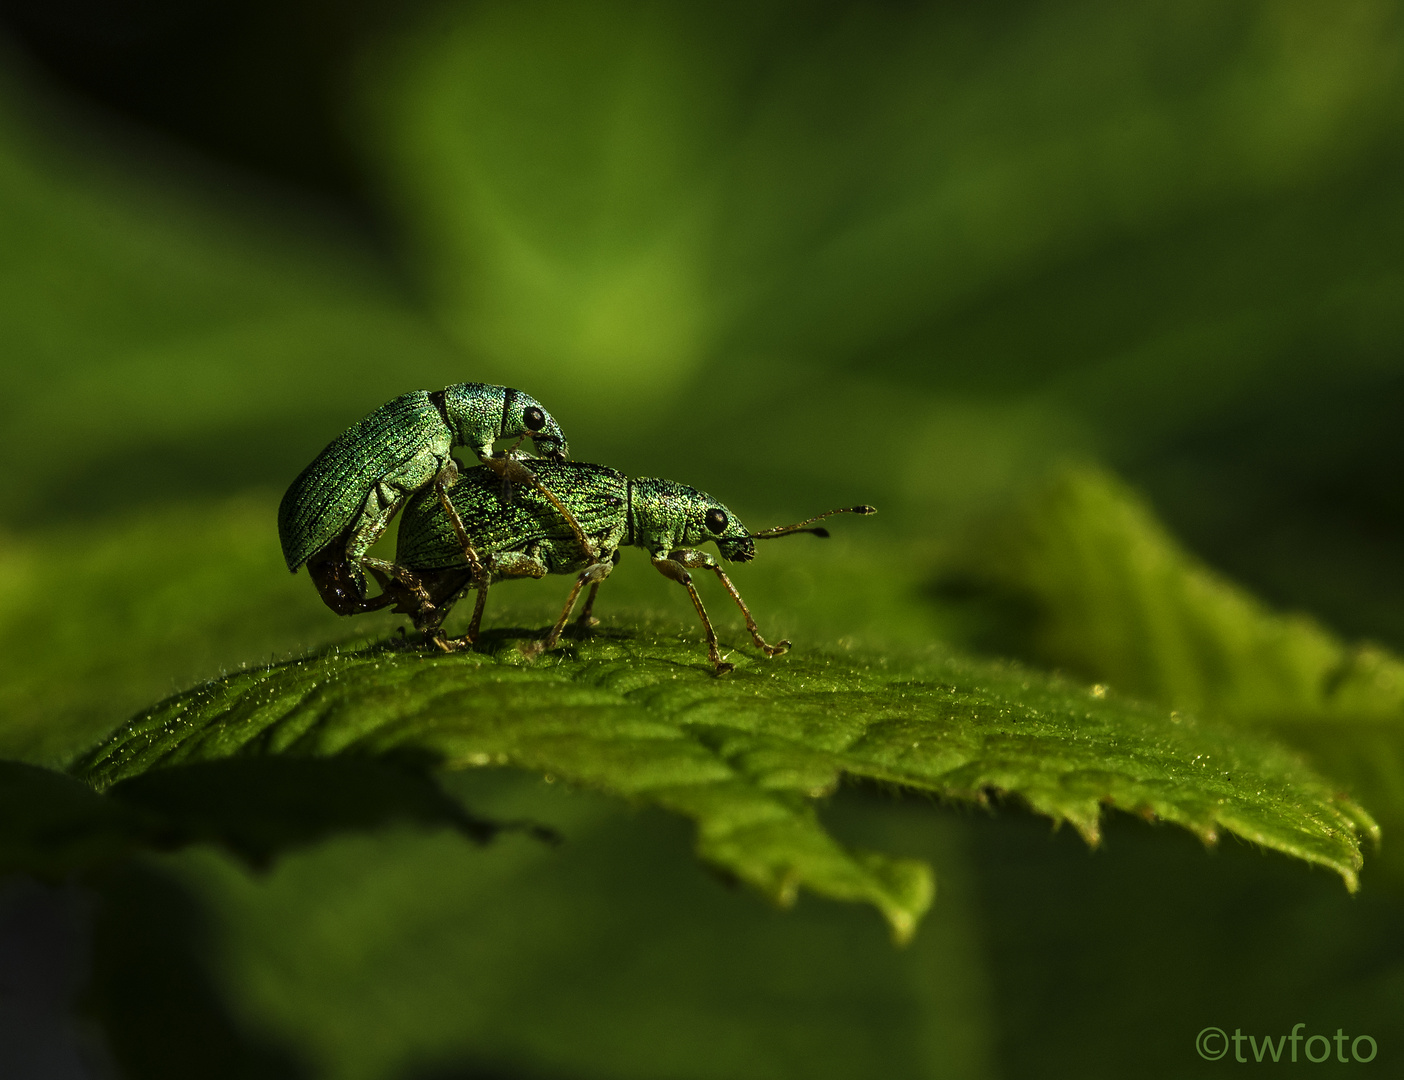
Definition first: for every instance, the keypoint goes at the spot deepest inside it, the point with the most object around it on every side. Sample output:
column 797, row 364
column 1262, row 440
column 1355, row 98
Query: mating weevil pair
column 341, row 503
column 466, row 531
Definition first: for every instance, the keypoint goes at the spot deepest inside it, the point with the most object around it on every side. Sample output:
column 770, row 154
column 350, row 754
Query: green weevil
column 530, row 538
column 342, row 502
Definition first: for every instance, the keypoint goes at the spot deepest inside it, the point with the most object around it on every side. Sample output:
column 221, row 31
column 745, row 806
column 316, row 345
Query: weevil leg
column 587, row 619
column 401, row 585
column 475, row 625
column 671, row 568
column 412, row 598
column 469, row 551
column 503, row 565
column 592, row 575
column 499, row 464
column 513, row 471
column 700, row 560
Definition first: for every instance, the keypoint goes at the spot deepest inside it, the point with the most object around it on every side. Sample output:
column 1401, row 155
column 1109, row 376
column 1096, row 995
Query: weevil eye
column 533, row 418
column 716, row 520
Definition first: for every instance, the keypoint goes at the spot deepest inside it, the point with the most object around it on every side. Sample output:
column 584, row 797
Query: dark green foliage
column 803, row 256
column 55, row 825
column 1084, row 577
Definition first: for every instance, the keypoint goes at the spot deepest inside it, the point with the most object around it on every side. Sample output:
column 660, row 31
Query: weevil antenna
column 802, row 526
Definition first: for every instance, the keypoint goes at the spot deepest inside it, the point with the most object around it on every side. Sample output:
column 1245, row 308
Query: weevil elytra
column 528, row 537
column 341, row 503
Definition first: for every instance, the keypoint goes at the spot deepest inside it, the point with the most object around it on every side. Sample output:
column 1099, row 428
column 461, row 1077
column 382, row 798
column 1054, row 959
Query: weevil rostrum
column 529, row 538
column 342, row 502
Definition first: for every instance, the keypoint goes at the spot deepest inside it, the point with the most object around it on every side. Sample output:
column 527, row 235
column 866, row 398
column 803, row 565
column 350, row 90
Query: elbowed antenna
column 799, row 526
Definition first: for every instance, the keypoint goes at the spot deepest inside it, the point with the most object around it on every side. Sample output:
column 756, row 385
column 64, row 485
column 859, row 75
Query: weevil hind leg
column 592, row 575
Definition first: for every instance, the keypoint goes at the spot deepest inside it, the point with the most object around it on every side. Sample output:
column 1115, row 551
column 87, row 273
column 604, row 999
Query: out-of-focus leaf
column 98, row 619
column 1087, row 579
column 260, row 807
column 1084, row 577
column 52, row 825
column 746, row 757
column 608, row 187
column 170, row 339
column 405, row 956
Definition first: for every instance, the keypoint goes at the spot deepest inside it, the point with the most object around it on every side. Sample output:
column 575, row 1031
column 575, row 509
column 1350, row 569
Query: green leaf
column 614, row 954
column 746, row 757
column 1088, row 579
column 51, row 825
column 1083, row 576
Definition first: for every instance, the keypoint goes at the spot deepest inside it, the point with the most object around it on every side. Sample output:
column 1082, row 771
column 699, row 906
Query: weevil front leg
column 592, row 575
column 700, row 560
column 449, row 475
column 671, row 568
column 513, row 471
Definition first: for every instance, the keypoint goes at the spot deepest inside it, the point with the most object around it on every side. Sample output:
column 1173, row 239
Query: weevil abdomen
column 362, row 476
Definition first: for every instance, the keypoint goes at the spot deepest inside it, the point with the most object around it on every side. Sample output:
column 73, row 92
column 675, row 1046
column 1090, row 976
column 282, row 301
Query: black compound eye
column 716, row 520
column 533, row 418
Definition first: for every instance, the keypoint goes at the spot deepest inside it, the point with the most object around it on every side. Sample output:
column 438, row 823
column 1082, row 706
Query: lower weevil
column 530, row 538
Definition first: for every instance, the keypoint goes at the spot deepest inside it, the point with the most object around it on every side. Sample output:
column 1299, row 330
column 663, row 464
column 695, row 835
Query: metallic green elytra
column 341, row 503
column 530, row 537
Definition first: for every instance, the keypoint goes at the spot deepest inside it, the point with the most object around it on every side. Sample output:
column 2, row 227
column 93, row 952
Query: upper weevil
column 341, row 503
column 529, row 537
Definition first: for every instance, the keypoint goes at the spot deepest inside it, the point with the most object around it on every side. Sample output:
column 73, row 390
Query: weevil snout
column 737, row 550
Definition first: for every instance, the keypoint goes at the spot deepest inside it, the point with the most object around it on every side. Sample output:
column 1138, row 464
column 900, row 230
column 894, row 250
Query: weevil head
column 479, row 414
column 668, row 516
column 522, row 415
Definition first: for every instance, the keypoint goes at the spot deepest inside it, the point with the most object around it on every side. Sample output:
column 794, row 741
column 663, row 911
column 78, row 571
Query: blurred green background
column 801, row 255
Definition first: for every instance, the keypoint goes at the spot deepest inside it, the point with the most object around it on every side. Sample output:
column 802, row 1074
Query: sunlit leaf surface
column 746, row 756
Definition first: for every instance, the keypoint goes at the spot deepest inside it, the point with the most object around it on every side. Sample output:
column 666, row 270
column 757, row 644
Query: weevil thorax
column 665, row 516
column 473, row 413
